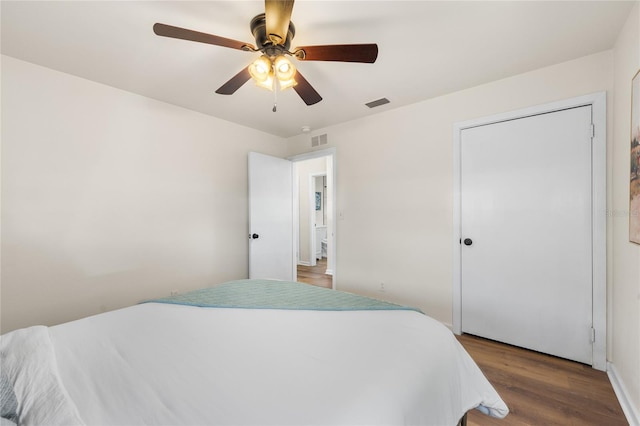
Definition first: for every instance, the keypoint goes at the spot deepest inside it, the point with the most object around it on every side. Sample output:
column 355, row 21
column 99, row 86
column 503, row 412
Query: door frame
column 331, row 230
column 598, row 102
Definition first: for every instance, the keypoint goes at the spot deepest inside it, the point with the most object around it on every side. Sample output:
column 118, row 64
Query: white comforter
column 163, row 364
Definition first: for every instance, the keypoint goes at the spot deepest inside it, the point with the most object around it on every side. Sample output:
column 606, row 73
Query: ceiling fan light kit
column 273, row 32
column 266, row 72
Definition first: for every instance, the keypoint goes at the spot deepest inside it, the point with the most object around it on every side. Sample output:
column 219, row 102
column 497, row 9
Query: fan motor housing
column 259, row 31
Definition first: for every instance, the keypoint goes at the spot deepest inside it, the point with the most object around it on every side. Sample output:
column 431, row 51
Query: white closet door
column 526, row 215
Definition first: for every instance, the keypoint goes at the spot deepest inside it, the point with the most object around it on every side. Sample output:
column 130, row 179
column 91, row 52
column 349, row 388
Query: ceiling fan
column 273, row 32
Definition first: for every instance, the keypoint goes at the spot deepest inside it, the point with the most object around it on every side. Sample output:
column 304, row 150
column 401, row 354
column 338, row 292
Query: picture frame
column 634, row 154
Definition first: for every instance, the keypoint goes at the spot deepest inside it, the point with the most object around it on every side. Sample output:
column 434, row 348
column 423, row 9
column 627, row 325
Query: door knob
column 254, row 236
column 468, row 241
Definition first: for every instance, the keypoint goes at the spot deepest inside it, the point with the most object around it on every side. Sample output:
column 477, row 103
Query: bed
column 247, row 352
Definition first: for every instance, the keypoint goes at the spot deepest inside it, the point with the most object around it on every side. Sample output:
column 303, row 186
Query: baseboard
column 630, row 411
column 303, row 263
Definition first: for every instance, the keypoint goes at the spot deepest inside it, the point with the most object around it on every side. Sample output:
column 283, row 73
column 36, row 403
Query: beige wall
column 395, row 181
column 625, row 256
column 109, row 198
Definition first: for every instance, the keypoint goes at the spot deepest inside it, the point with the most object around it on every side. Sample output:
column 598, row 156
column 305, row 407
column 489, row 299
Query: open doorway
column 314, row 211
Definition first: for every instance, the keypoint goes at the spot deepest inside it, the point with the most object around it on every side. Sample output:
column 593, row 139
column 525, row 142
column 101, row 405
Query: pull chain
column 275, row 95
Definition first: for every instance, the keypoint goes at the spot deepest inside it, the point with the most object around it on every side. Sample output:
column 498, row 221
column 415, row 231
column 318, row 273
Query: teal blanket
column 271, row 294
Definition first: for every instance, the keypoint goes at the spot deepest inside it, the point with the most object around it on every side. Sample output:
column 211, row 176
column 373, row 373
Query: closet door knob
column 468, row 241
column 254, row 236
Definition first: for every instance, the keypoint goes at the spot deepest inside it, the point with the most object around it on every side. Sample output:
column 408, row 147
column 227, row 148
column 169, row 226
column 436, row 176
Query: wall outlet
column 174, row 292
column 381, row 289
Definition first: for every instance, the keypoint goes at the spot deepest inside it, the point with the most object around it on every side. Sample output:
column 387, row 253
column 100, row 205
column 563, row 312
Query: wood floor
column 315, row 274
column 541, row 389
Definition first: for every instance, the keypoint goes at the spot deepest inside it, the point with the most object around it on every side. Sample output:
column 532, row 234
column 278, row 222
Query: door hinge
column 592, row 130
column 593, row 335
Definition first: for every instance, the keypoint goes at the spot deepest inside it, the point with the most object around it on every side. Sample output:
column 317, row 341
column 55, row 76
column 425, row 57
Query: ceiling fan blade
column 184, row 34
column 305, row 90
column 367, row 53
column 277, row 17
column 230, row 87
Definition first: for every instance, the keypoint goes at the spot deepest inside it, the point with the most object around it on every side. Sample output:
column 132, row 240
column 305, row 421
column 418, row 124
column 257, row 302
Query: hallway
column 315, row 275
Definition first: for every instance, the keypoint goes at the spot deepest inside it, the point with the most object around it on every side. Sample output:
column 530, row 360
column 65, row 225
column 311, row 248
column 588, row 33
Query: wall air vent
column 319, row 140
column 377, row 102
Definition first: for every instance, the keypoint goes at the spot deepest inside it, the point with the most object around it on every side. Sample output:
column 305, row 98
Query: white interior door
column 526, row 276
column 270, row 217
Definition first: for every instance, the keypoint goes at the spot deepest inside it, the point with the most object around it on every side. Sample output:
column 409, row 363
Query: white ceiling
column 426, row 49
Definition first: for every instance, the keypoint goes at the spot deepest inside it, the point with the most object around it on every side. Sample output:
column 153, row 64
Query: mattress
column 174, row 364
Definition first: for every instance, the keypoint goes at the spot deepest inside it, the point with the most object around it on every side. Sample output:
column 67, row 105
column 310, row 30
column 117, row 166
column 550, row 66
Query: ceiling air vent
column 319, row 140
column 377, row 102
